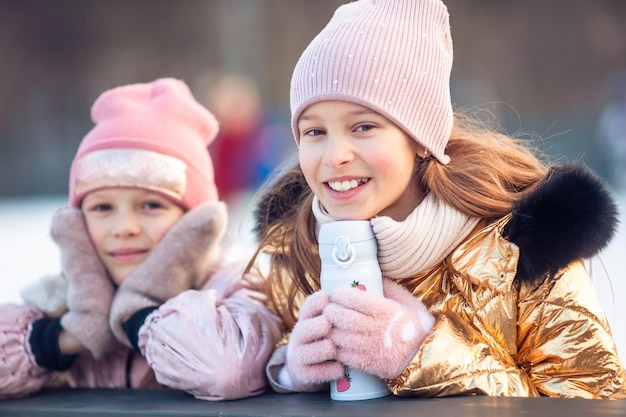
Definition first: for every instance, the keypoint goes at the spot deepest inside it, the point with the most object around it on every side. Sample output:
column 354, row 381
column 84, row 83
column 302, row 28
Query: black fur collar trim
column 571, row 216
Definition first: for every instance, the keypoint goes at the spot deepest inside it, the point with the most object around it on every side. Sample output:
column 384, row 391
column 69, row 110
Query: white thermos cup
column 349, row 255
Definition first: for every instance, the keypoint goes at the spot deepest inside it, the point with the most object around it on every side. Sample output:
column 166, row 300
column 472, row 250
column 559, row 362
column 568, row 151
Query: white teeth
column 346, row 185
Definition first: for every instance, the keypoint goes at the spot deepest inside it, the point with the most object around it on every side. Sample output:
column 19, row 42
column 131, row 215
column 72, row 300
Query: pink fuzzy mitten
column 377, row 335
column 181, row 261
column 311, row 355
column 90, row 290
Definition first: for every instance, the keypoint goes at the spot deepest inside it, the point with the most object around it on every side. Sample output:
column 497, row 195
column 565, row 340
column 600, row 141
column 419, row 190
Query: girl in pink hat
column 480, row 243
column 149, row 297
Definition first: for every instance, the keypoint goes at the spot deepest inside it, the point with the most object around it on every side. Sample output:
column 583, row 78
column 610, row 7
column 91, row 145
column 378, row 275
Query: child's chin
column 119, row 277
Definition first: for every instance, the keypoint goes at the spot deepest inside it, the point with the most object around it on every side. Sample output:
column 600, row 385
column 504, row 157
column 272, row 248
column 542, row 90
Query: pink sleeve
column 213, row 343
column 19, row 373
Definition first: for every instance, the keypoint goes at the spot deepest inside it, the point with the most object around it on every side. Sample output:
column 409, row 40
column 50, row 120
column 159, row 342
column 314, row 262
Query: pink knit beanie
column 152, row 136
column 393, row 56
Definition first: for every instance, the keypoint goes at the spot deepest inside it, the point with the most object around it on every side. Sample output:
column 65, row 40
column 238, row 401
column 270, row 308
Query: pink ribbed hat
column 393, row 56
column 152, row 136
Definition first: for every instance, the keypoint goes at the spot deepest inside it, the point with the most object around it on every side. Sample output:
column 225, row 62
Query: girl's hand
column 69, row 345
column 90, row 290
column 377, row 335
column 311, row 355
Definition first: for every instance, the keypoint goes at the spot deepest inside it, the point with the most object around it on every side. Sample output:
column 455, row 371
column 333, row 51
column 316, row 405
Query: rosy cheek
column 309, row 174
column 97, row 241
column 160, row 233
column 93, row 234
column 159, row 237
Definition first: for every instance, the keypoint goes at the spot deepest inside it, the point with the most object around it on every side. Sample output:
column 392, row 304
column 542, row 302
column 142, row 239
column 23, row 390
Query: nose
column 126, row 224
column 338, row 151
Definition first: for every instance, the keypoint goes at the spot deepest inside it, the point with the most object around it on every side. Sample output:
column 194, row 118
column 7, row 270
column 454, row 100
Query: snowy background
column 27, row 253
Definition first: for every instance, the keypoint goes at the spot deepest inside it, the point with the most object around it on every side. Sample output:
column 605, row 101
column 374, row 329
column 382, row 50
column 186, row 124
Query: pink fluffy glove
column 377, row 335
column 89, row 290
column 181, row 261
column 311, row 355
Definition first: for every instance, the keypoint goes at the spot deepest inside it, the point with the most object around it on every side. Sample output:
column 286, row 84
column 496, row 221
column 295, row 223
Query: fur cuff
column 48, row 294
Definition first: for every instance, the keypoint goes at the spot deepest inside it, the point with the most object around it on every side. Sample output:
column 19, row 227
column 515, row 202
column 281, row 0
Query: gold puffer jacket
column 495, row 335
column 516, row 312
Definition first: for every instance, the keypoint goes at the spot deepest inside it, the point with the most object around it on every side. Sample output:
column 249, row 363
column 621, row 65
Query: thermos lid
column 354, row 230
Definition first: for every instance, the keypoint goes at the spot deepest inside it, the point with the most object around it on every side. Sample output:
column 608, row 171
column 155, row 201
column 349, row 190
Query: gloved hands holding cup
column 377, row 335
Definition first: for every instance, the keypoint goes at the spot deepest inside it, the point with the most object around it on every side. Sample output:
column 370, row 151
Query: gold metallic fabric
column 496, row 336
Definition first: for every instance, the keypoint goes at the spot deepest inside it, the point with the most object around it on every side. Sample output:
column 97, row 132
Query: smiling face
column 357, row 162
column 125, row 225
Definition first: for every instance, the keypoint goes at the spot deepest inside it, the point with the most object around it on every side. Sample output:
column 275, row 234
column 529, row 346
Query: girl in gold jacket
column 480, row 242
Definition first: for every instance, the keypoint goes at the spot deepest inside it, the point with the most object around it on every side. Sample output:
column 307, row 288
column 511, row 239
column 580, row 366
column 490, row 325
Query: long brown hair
column 488, row 171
